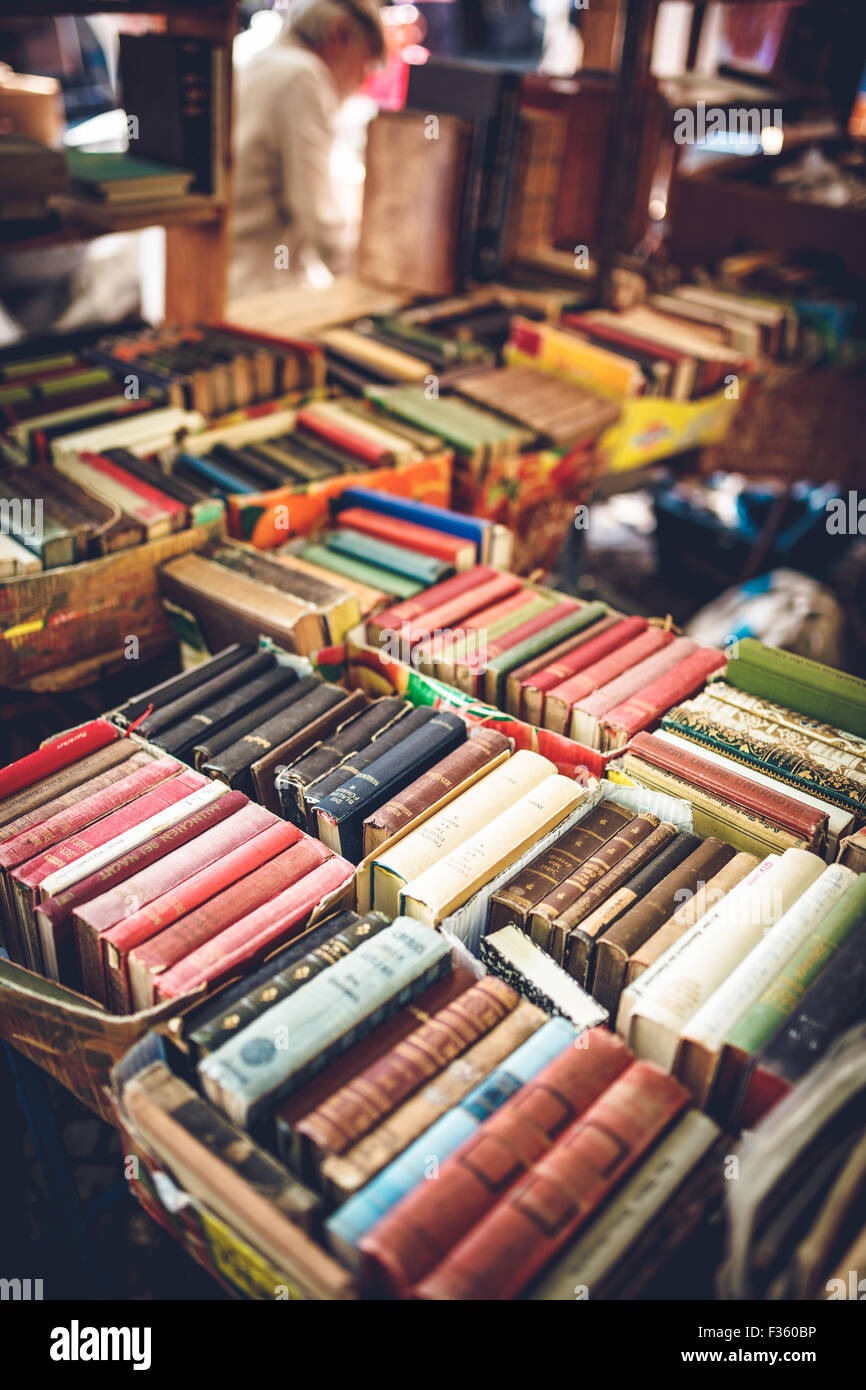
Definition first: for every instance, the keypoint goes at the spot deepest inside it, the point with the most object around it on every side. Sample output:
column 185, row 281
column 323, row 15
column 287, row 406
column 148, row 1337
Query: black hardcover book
column 192, row 700
column 210, row 745
column 310, row 698
column 151, row 473
column 166, row 83
column 340, row 815
column 171, row 689
column 294, row 462
column 285, row 979
column 179, row 739
column 356, row 733
column 260, row 472
column 389, row 738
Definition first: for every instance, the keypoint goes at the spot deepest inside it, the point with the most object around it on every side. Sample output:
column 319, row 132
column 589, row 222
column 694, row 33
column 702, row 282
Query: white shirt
column 285, row 208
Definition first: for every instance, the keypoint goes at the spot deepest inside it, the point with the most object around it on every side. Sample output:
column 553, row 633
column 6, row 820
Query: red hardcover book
column 648, row 705
column 53, row 915
column 56, row 753
column 157, row 955
column 455, row 610
column 442, row 645
column 773, row 805
column 110, row 469
column 118, row 787
column 546, row 1207
column 354, row 444
column 124, row 901
column 60, row 789
column 412, row 608
column 251, row 938
column 253, row 848
column 586, row 655
column 561, row 698
column 419, row 1231
column 423, row 539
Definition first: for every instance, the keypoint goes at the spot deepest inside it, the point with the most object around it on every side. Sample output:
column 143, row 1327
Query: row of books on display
column 728, row 978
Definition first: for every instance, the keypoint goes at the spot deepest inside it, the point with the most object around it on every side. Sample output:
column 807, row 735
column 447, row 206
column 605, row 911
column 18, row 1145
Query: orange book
column 425, row 540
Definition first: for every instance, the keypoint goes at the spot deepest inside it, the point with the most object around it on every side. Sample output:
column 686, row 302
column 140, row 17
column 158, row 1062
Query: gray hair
column 313, row 22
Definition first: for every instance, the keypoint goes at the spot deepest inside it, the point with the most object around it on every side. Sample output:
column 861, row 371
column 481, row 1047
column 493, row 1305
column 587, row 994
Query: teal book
column 801, row 684
column 499, row 666
column 375, row 576
column 356, row 1216
column 300, row 1035
column 426, row 569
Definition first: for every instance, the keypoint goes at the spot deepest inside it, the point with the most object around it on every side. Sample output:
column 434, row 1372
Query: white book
column 451, row 881
column 16, row 559
column 22, row 431
column 839, row 822
column 654, row 1010
column 704, row 1035
column 155, row 520
column 149, row 429
column 512, row 954
column 447, row 829
column 95, row 859
column 595, row 1255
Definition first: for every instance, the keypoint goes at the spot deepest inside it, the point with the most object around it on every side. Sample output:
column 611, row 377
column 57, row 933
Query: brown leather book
column 264, row 771
column 689, row 912
column 345, row 1173
column 232, row 607
column 651, row 910
column 481, row 748
column 356, row 1108
column 362, row 1055
column 515, row 901
column 542, row 923
column 580, row 943
column 412, row 197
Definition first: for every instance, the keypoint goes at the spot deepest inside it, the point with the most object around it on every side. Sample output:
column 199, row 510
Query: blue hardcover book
column 341, row 814
column 215, row 474
column 356, row 1216
column 425, row 568
column 469, row 528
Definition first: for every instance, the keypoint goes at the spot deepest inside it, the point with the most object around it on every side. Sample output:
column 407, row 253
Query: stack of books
column 105, row 847
column 123, row 182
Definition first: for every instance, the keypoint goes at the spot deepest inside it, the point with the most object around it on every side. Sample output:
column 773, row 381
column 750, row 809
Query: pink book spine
column 643, row 709
column 160, row 784
column 525, row 630
column 244, row 819
column 607, row 670
column 638, row 678
column 201, row 886
column 156, row 503
column 241, row 943
column 412, row 608
column 459, row 609
column 56, row 754
column 119, row 791
column 587, row 654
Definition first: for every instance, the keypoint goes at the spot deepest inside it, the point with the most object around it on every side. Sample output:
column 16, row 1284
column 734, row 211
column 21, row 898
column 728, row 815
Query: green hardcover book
column 454, row 660
column 821, row 691
column 388, row 581
column 499, row 666
column 412, row 565
column 781, row 998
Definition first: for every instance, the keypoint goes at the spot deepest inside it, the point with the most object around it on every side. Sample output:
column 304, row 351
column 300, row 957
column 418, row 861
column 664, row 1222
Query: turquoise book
column 300, row 1035
column 356, row 1216
column 424, row 568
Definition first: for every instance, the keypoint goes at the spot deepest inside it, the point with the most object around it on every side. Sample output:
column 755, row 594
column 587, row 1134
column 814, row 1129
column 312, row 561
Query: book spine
column 58, row 753
column 244, row 940
column 448, row 590
column 324, row 1018
column 561, row 1191
column 561, row 698
column 359, row 1106
column 800, row 683
column 419, row 538
column 417, row 1236
column 573, row 663
column 643, row 709
column 344, row 1174
column 157, row 955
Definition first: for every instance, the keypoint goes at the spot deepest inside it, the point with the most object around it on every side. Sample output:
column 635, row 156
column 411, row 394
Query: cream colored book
column 588, row 1262
column 704, row 1036
column 16, row 558
column 455, row 823
column 451, row 881
column 690, row 911
column 349, row 343
column 654, row 1010
column 839, row 822
column 370, row 429
column 512, row 954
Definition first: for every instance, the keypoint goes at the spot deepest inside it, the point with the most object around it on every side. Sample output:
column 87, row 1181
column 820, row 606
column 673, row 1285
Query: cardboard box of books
column 270, row 518
column 61, row 626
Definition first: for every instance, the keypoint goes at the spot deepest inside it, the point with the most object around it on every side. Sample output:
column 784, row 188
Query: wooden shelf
column 81, row 220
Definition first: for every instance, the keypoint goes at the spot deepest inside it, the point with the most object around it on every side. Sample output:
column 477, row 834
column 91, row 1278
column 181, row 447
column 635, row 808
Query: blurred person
column 287, row 218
